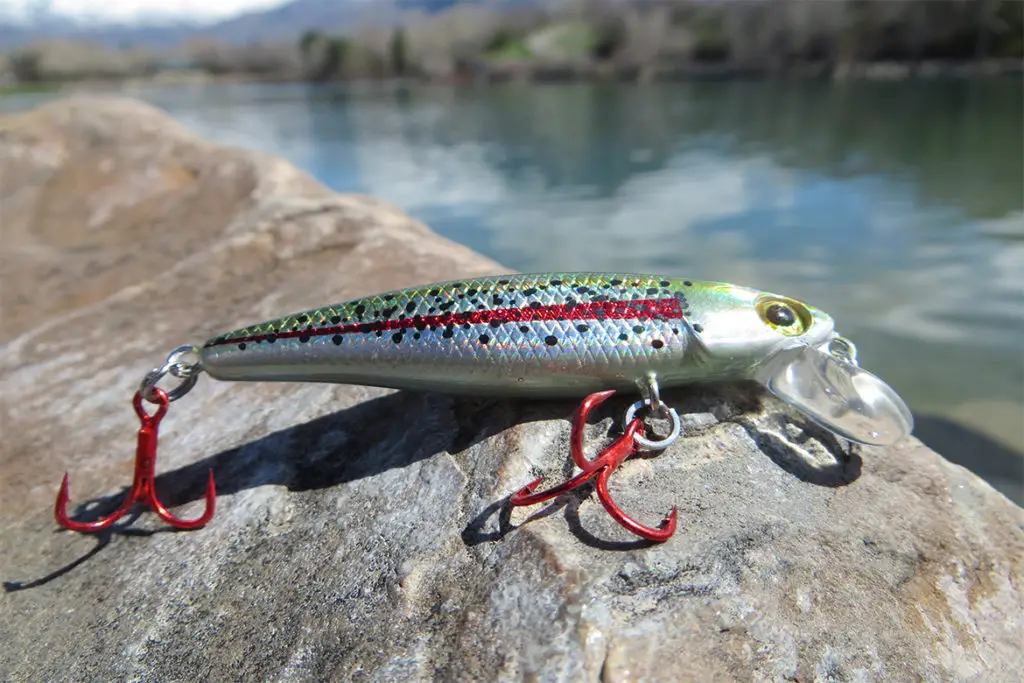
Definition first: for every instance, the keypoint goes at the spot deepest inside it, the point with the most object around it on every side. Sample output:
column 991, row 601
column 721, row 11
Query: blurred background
column 865, row 156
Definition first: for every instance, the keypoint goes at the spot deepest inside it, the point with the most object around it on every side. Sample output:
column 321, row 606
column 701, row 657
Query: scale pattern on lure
column 548, row 310
column 550, row 333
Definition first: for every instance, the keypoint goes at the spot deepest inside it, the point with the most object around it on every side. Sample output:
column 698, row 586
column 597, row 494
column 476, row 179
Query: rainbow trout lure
column 551, row 335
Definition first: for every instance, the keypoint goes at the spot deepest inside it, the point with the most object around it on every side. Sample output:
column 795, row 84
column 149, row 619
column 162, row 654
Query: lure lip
column 837, row 393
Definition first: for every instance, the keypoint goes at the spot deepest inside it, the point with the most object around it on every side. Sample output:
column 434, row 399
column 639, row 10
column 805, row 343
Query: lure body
column 540, row 335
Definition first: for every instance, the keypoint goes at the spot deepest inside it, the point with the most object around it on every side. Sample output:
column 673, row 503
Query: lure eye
column 780, row 314
column 785, row 316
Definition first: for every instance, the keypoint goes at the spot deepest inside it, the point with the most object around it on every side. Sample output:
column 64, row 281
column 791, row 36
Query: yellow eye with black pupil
column 783, row 315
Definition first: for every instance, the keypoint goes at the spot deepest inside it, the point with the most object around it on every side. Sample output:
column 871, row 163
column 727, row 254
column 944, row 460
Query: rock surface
column 363, row 534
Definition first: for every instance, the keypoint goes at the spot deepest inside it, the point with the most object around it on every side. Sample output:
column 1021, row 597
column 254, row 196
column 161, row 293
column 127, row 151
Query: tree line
column 589, row 37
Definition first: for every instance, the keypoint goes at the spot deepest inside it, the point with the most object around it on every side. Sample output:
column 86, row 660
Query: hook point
column 525, row 491
column 669, row 523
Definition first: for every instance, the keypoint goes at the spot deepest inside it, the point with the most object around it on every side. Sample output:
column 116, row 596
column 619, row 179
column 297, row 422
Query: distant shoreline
column 498, row 74
column 890, row 70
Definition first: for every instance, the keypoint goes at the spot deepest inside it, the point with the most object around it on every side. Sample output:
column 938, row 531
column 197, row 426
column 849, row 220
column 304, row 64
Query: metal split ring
column 650, row 444
column 188, row 373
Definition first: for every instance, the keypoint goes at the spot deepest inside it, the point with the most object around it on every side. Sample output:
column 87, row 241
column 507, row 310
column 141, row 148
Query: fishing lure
column 550, row 335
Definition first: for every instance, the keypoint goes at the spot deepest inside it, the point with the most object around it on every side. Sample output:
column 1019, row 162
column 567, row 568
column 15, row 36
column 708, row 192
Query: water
column 897, row 207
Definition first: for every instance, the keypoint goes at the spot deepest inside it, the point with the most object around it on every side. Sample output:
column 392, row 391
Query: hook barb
column 602, row 467
column 143, row 489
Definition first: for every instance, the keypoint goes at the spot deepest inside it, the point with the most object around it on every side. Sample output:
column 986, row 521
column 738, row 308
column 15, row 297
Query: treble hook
column 143, row 489
column 602, row 467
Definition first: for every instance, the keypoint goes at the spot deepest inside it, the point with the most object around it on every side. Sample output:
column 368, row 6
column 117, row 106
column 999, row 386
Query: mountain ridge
column 283, row 22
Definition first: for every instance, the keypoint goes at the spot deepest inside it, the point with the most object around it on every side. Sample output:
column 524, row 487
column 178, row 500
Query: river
column 897, row 207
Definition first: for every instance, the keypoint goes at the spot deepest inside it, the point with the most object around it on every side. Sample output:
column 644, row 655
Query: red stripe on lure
column 608, row 310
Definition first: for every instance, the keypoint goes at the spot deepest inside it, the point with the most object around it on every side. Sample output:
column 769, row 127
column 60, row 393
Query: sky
column 128, row 10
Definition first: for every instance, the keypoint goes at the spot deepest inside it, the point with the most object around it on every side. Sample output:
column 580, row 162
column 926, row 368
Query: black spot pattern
column 458, row 298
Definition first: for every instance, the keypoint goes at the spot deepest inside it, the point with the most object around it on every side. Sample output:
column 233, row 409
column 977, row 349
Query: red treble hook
column 143, row 489
column 602, row 466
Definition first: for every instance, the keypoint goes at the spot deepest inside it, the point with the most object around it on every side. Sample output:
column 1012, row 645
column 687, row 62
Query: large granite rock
column 363, row 534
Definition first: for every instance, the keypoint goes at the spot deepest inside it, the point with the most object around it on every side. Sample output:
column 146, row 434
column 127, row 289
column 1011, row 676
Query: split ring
column 188, row 373
column 650, row 444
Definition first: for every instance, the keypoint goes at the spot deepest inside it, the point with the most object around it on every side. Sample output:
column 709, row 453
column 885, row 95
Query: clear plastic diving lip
column 829, row 387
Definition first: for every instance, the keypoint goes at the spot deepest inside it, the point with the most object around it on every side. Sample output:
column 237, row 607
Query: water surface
column 897, row 207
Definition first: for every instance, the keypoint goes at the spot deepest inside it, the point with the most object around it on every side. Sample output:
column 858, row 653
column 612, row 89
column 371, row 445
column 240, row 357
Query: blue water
column 897, row 207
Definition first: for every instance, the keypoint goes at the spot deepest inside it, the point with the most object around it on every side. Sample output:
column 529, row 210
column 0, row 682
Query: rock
column 363, row 534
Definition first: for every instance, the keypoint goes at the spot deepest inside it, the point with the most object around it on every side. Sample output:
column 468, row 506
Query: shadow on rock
column 393, row 431
column 808, row 451
column 402, row 428
column 1000, row 466
column 728, row 403
column 476, row 532
column 102, row 539
column 572, row 517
